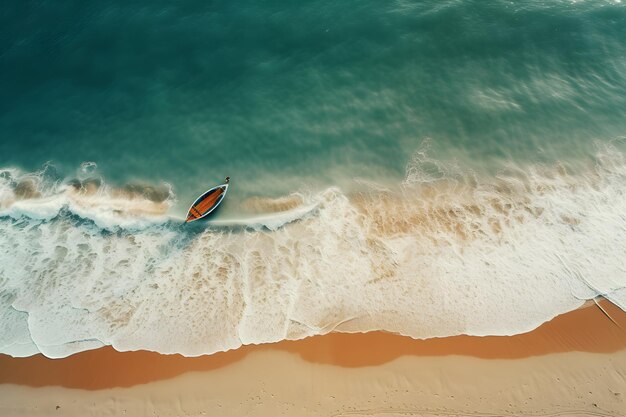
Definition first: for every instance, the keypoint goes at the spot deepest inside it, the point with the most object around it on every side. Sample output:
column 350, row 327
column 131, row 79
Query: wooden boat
column 207, row 202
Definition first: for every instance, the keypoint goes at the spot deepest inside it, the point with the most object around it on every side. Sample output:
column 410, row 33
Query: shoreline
column 587, row 330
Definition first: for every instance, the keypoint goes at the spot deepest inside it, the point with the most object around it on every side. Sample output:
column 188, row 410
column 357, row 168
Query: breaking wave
column 446, row 252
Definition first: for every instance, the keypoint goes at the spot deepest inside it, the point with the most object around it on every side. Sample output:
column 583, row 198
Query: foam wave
column 43, row 195
column 269, row 221
column 447, row 253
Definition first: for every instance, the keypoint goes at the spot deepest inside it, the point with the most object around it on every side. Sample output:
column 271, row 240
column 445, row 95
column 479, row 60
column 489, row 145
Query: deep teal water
column 310, row 94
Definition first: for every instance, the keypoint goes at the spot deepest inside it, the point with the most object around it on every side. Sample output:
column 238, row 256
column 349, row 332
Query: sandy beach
column 573, row 365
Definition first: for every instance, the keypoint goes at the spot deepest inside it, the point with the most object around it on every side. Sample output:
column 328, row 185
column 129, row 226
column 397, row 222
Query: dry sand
column 574, row 365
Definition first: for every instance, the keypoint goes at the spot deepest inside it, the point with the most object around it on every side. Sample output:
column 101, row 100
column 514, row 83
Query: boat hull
column 206, row 203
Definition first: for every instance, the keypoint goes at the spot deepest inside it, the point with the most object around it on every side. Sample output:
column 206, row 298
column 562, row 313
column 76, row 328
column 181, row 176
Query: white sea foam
column 273, row 221
column 450, row 253
column 33, row 196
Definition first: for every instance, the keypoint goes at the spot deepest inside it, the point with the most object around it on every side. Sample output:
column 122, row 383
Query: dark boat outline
column 203, row 196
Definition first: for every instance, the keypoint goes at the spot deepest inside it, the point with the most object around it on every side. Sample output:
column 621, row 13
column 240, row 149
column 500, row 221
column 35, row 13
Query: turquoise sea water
column 267, row 91
column 496, row 130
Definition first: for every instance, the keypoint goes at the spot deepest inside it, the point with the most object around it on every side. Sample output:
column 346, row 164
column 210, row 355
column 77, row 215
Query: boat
column 207, row 202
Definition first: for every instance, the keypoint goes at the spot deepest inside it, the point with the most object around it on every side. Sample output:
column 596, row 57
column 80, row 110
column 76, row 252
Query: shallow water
column 430, row 169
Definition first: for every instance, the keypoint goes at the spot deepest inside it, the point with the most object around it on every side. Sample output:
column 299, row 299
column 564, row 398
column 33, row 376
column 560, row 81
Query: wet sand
column 574, row 364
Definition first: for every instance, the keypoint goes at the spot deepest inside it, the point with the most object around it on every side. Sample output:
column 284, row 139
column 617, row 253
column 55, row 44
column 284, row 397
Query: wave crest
column 44, row 194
